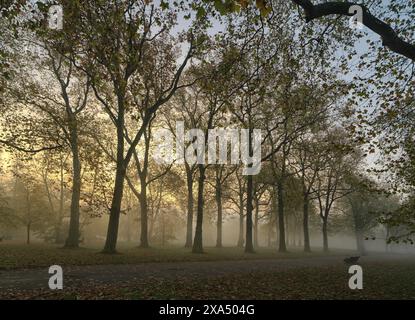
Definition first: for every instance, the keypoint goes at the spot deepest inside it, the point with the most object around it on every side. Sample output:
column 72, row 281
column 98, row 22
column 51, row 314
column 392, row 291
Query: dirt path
column 108, row 274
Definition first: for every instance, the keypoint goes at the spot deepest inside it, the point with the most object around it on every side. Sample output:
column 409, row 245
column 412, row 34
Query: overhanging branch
column 390, row 38
column 28, row 150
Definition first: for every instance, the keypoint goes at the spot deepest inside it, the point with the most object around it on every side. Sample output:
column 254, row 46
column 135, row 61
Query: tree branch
column 390, row 39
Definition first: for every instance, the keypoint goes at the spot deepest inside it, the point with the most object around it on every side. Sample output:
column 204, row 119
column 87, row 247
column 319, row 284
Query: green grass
column 14, row 256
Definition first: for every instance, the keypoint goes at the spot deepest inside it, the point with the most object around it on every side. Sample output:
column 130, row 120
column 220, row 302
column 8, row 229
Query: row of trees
column 91, row 95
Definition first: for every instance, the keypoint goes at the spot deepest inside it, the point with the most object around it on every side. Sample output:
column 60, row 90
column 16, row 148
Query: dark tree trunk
column 241, row 220
column 143, row 216
column 270, row 224
column 58, row 227
column 287, row 231
column 163, row 231
column 386, row 239
column 198, row 240
column 142, row 174
column 249, row 247
column 294, row 231
column 190, row 200
column 325, row 236
column 241, row 231
column 273, row 217
column 122, row 163
column 256, row 242
column 73, row 236
column 28, row 233
column 219, row 220
column 112, row 232
column 307, row 247
column 282, row 247
column 129, row 226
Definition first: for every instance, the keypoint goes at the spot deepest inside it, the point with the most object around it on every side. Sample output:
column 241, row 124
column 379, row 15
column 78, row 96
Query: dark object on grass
column 351, row 260
column 1, row 239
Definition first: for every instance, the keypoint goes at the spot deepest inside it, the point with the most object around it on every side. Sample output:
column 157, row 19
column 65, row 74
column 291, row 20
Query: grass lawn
column 380, row 282
column 383, row 279
column 14, row 256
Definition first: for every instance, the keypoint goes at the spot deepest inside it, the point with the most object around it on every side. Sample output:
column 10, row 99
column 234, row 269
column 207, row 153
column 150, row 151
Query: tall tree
column 115, row 45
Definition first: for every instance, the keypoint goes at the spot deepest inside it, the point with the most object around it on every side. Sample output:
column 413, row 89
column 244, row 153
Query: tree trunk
column 241, row 231
column 112, row 232
column 325, row 236
column 219, row 220
column 129, row 226
column 287, row 230
column 28, row 233
column 273, row 216
column 163, row 231
column 144, row 216
column 73, row 236
column 198, row 240
column 58, row 227
column 122, row 163
column 241, row 220
column 294, row 231
column 249, row 247
column 256, row 243
column 190, row 200
column 282, row 246
column 386, row 239
column 307, row 247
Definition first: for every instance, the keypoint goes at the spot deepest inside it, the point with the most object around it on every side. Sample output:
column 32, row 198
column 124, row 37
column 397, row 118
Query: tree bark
column 325, row 236
column 190, row 203
column 114, row 219
column 163, row 231
column 241, row 218
column 58, row 228
column 28, row 233
column 73, row 236
column 241, row 231
column 256, row 242
column 219, row 219
column 249, row 247
column 307, row 247
column 198, row 240
column 273, row 216
column 112, row 231
column 282, row 247
column 143, row 216
column 387, row 238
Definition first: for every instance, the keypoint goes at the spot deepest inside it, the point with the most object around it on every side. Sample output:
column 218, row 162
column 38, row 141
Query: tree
column 222, row 175
column 390, row 38
column 364, row 203
column 237, row 197
column 7, row 217
column 330, row 185
column 115, row 45
column 29, row 203
column 185, row 109
column 61, row 105
column 260, row 191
